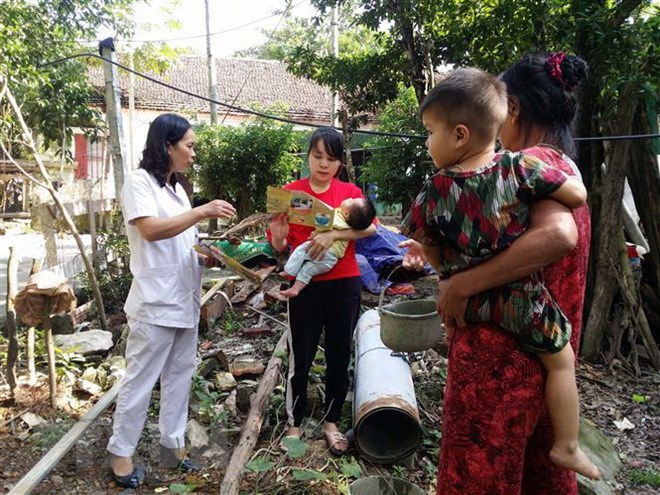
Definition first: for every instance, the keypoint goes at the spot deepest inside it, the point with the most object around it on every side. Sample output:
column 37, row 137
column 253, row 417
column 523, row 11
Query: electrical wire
column 296, row 122
column 228, row 30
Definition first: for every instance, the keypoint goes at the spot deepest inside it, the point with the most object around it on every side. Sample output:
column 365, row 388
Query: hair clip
column 553, row 67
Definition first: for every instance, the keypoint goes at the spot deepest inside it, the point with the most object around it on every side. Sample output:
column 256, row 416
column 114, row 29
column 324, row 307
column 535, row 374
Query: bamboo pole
column 250, row 431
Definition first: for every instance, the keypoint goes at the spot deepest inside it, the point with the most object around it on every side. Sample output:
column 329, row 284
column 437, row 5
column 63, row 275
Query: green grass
column 647, row 476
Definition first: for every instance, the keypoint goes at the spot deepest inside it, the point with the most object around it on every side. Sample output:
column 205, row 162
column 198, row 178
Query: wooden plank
column 30, row 481
column 18, row 214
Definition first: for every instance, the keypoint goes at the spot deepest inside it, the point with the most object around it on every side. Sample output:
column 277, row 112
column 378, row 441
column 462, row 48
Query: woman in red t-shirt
column 331, row 302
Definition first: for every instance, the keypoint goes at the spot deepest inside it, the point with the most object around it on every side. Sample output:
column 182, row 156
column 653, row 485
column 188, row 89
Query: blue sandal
column 132, row 480
column 168, row 458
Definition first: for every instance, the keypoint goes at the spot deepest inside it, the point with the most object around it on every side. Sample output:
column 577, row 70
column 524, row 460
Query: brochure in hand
column 302, row 208
column 228, row 261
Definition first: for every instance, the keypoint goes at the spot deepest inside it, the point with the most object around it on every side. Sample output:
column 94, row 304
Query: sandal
column 335, row 439
column 169, row 459
column 187, row 466
column 132, row 480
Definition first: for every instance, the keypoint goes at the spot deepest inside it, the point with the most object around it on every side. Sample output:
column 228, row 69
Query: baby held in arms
column 353, row 213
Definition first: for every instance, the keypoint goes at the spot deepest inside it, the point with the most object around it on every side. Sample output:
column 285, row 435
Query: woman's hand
column 217, row 208
column 279, row 228
column 451, row 303
column 414, row 258
column 319, row 243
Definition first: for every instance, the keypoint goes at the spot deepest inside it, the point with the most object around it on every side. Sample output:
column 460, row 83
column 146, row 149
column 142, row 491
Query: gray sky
column 226, row 15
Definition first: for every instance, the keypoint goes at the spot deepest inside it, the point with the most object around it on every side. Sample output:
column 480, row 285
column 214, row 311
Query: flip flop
column 132, row 480
column 334, row 438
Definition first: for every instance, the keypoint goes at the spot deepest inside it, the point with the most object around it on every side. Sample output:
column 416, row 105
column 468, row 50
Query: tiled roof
column 263, row 82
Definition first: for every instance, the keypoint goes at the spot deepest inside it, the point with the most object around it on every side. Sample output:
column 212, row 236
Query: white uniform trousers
column 153, row 351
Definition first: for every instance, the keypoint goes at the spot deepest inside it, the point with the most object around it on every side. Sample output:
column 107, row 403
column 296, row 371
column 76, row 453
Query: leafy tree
column 238, row 162
column 315, row 35
column 620, row 40
column 34, row 32
column 399, row 166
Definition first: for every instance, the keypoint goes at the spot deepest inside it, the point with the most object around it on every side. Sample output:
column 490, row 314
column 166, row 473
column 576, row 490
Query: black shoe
column 132, row 480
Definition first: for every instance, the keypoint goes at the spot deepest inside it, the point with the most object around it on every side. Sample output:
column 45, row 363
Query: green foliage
column 68, row 364
column 237, row 163
column 259, row 465
column 181, row 488
column 230, row 322
column 350, row 468
column 295, row 447
column 55, row 98
column 207, row 401
column 645, row 477
column 114, row 288
column 49, row 434
column 315, row 34
column 308, row 475
column 398, row 167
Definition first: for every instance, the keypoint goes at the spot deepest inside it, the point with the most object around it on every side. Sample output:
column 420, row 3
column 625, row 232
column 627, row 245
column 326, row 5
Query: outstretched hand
column 218, row 208
column 414, row 258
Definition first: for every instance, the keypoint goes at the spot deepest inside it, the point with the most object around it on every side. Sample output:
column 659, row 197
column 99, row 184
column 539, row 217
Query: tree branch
column 622, row 12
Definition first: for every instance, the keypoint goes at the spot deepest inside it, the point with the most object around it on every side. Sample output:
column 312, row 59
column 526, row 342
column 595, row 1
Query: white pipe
column 385, row 415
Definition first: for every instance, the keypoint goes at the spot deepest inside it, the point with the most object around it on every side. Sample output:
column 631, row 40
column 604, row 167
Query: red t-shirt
column 337, row 192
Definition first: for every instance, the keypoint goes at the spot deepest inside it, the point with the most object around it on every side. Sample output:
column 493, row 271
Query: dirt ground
column 610, row 396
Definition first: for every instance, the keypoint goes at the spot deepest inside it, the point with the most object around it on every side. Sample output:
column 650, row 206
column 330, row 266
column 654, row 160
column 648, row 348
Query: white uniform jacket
column 166, row 276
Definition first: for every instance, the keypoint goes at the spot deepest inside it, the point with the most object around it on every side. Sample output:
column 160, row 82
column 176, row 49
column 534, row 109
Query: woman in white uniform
column 164, row 301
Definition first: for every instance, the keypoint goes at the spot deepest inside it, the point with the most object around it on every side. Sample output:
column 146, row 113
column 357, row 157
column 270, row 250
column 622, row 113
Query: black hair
column 333, row 142
column 545, row 86
column 361, row 216
column 166, row 129
column 471, row 97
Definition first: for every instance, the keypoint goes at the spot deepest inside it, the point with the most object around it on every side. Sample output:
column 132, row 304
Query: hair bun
column 574, row 70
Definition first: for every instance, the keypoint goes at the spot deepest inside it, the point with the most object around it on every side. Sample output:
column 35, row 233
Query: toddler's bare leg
column 561, row 396
column 294, row 290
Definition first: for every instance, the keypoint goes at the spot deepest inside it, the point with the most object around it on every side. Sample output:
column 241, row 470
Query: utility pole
column 335, row 51
column 131, row 110
column 113, row 114
column 210, row 62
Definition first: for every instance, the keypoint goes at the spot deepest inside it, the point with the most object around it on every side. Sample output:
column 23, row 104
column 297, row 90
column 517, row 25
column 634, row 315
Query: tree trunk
column 644, row 181
column 633, row 300
column 412, row 48
column 607, row 235
column 348, row 146
column 12, row 340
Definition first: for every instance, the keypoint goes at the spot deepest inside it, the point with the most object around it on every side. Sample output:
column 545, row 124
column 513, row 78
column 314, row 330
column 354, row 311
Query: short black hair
column 471, row 97
column 545, row 86
column 361, row 215
column 166, row 129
